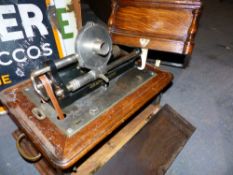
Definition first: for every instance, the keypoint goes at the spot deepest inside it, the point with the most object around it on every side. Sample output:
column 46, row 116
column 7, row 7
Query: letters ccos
column 31, row 17
column 21, row 55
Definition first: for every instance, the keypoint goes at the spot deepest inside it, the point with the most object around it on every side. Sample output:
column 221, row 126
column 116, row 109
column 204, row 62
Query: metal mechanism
column 58, row 64
column 83, row 110
column 95, row 63
column 94, row 50
column 95, row 74
column 94, row 46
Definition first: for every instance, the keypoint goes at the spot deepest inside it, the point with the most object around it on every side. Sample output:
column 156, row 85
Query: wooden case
column 163, row 25
column 63, row 151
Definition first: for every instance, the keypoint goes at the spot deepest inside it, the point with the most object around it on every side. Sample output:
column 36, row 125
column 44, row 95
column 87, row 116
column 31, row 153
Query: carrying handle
column 22, row 153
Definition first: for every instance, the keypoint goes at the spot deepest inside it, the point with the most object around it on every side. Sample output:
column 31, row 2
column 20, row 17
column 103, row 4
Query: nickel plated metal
column 93, row 51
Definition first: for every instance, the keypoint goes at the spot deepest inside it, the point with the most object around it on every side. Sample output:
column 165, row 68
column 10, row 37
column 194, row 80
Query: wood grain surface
column 76, row 5
column 168, row 25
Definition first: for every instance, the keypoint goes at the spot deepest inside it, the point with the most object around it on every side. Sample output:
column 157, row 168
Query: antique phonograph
column 72, row 104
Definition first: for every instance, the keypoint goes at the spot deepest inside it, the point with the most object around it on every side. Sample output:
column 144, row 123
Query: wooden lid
column 163, row 25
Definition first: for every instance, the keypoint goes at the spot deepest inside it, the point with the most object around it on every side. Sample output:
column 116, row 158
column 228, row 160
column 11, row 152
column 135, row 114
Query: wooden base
column 166, row 134
column 106, row 151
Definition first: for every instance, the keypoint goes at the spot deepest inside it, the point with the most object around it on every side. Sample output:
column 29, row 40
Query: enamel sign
column 26, row 40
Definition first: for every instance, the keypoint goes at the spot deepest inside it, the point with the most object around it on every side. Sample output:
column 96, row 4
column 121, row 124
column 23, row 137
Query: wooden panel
column 77, row 9
column 168, row 25
column 154, row 148
column 163, row 21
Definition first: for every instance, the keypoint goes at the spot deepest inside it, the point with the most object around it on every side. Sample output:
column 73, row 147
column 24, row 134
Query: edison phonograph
column 70, row 105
